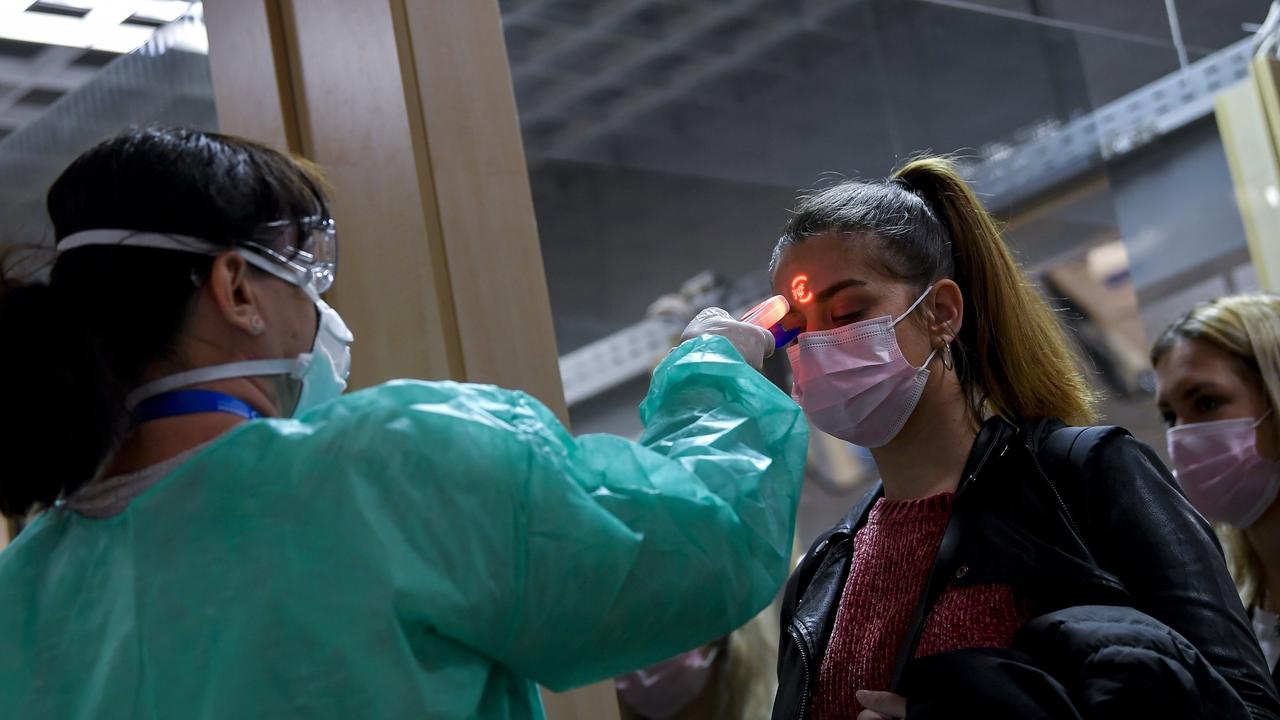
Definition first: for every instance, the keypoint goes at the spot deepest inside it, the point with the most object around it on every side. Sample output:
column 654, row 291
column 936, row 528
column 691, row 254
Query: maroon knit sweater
column 892, row 556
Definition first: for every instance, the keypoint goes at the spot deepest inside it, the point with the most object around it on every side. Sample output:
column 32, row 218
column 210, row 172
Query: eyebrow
column 1190, row 392
column 1200, row 387
column 830, row 292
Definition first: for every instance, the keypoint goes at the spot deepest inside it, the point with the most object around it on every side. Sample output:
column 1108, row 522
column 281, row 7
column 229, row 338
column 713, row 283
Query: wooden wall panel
column 408, row 106
column 250, row 64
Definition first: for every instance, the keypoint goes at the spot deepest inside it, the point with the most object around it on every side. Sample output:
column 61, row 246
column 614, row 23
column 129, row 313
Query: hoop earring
column 948, row 362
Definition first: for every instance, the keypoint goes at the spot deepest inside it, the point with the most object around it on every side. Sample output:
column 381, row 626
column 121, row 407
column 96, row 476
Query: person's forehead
column 825, row 260
column 1191, row 362
column 1198, row 355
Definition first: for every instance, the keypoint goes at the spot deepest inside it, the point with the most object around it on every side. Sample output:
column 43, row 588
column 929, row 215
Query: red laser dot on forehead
column 800, row 289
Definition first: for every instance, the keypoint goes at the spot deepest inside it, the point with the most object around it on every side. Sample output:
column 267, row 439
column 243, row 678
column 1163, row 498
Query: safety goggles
column 308, row 246
column 303, row 252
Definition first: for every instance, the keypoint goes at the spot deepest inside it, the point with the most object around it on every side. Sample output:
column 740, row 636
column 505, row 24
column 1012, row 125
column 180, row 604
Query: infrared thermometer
column 768, row 315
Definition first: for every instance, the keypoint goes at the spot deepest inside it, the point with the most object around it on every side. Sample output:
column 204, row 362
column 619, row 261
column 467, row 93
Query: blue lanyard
column 190, row 402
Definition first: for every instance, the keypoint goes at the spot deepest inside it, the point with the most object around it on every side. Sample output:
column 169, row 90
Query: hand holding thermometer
column 768, row 315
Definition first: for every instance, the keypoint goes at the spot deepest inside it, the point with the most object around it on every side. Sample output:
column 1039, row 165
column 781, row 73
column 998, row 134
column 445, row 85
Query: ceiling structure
column 52, row 47
column 93, row 94
column 716, row 87
column 720, row 87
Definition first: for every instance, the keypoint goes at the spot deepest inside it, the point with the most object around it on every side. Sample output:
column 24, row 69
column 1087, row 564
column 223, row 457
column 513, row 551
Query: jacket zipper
column 986, row 455
column 1075, row 530
column 804, row 662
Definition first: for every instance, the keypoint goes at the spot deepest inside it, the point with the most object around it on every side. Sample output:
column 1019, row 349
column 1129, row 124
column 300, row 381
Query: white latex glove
column 752, row 342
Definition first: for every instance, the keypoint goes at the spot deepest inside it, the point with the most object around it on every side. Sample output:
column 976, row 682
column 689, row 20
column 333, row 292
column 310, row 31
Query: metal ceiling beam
column 616, row 73
column 51, row 70
column 53, row 76
column 1011, row 173
column 571, row 128
column 1076, row 27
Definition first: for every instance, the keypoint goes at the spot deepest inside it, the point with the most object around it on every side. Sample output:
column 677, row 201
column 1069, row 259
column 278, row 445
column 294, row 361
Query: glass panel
column 653, row 127
column 166, row 81
column 667, row 139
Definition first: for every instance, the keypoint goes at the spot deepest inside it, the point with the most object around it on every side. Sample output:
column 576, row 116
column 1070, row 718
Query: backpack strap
column 997, row 437
column 939, row 575
column 1068, row 448
column 1064, row 456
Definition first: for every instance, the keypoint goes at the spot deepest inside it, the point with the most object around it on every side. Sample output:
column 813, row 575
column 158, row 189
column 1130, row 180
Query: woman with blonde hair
column 1218, row 368
column 729, row 679
column 1008, row 564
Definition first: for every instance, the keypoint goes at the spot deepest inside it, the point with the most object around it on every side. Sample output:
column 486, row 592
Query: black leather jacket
column 1118, row 533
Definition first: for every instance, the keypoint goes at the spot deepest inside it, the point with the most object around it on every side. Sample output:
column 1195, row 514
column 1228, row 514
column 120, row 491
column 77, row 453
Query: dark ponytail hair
column 74, row 348
column 1012, row 356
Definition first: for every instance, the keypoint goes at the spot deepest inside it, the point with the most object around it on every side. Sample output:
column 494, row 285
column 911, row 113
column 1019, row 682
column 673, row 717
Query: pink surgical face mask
column 661, row 691
column 1218, row 466
column 854, row 383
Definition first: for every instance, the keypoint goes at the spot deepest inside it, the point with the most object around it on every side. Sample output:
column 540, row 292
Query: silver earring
column 256, row 325
column 948, row 362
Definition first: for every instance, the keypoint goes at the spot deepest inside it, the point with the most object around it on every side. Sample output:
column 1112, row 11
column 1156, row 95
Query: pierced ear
column 936, row 325
column 948, row 295
column 234, row 294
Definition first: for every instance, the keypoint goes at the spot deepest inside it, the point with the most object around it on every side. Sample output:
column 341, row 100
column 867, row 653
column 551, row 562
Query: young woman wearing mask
column 1218, row 368
column 223, row 534
column 733, row 678
column 923, row 341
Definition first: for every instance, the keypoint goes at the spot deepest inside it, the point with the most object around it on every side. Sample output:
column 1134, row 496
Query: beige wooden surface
column 259, row 104
column 408, row 106
column 485, row 206
column 1264, row 250
column 1249, row 139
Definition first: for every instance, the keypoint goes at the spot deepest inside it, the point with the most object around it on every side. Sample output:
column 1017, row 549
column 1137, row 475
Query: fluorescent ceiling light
column 101, row 28
column 159, row 10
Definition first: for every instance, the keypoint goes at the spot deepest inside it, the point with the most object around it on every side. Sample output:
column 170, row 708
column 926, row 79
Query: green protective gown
column 415, row 550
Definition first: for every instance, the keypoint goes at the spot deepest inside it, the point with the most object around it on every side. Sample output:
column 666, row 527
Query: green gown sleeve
column 571, row 560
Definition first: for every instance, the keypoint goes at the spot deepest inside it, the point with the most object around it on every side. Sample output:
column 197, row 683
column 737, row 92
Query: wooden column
column 250, row 65
column 408, row 106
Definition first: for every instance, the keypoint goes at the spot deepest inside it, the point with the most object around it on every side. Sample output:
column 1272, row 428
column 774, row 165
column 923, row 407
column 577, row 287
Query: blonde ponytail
column 1015, row 351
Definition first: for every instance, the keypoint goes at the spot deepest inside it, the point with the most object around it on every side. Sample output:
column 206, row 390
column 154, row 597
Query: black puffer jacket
column 1108, row 528
column 1094, row 661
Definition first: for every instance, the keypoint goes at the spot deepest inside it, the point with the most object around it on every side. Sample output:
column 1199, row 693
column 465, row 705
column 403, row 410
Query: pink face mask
column 661, row 691
column 854, row 383
column 1218, row 466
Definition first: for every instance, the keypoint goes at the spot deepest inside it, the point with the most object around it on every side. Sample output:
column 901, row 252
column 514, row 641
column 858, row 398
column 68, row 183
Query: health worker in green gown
column 220, row 533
